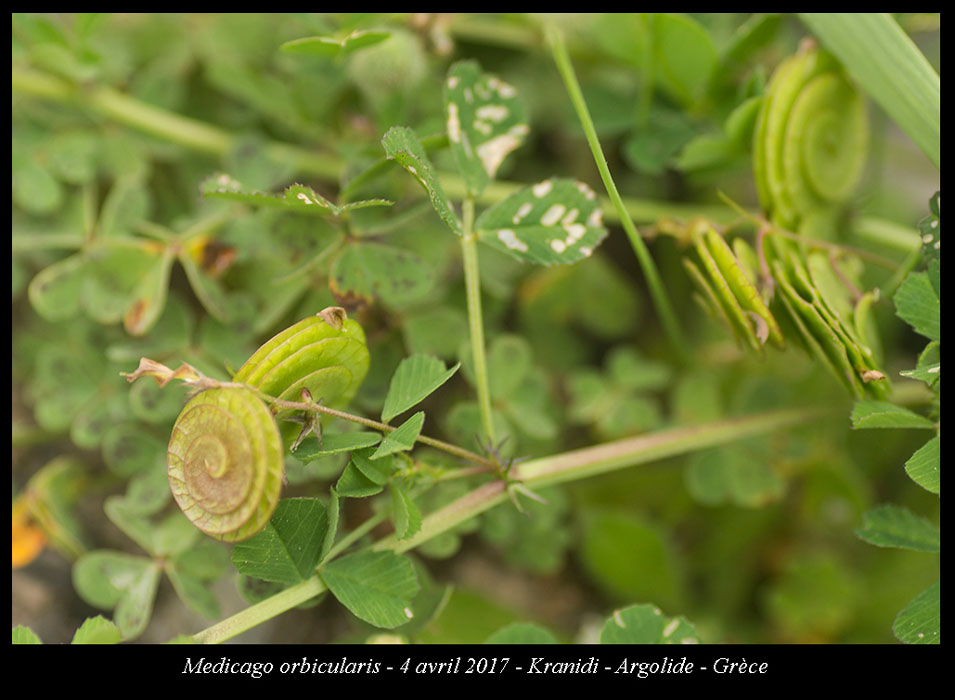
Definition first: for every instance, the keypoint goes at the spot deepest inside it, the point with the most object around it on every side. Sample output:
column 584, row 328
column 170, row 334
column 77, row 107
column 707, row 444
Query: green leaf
column 485, row 121
column 815, row 596
column 354, row 484
column 552, row 222
column 206, row 560
column 406, row 514
column 402, row 146
column 645, row 624
column 97, row 630
column 509, row 360
column 35, row 189
column 330, row 46
column 923, row 466
column 194, row 592
column 402, row 438
column 371, row 271
column 55, row 292
column 894, row 526
column 288, row 549
column 135, row 607
column 175, row 535
column 882, row 414
column 149, row 297
column 378, row 471
column 684, row 56
column 24, row 635
column 917, row 303
column 333, row 515
column 522, row 633
column 334, row 443
column 416, row 377
column 300, row 199
column 629, row 558
column 920, row 621
column 376, row 587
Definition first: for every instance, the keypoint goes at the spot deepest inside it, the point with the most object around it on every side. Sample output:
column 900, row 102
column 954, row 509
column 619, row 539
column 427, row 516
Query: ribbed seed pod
column 226, row 463
column 729, row 292
column 811, row 142
column 325, row 354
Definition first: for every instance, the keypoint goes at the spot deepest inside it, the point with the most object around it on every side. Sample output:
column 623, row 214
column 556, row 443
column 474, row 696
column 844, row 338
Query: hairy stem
column 657, row 291
column 472, row 281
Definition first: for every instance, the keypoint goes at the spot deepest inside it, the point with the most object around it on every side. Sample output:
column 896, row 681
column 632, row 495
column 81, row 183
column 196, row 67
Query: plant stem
column 599, row 459
column 657, row 292
column 355, row 535
column 262, row 611
column 384, row 427
column 569, row 466
column 472, row 281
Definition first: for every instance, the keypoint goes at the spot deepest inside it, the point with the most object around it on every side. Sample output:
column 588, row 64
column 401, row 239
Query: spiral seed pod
column 325, row 354
column 226, row 462
column 810, row 144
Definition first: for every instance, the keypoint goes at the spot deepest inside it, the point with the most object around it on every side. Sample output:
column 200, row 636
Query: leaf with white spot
column 645, row 624
column 552, row 222
column 486, row 121
column 402, row 146
column 297, row 198
column 331, row 46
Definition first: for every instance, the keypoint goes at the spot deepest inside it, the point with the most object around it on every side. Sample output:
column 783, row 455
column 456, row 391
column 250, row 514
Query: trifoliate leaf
column 552, row 222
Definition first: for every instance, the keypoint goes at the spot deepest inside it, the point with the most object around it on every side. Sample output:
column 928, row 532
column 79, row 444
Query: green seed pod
column 226, row 456
column 226, row 463
column 729, row 291
column 810, row 145
column 325, row 354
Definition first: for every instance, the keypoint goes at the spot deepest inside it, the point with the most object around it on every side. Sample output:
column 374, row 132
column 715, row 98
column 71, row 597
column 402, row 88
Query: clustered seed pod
column 809, row 152
column 226, row 455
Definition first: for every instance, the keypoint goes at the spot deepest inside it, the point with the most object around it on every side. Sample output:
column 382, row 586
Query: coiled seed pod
column 810, row 144
column 226, row 463
column 325, row 354
column 226, row 456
